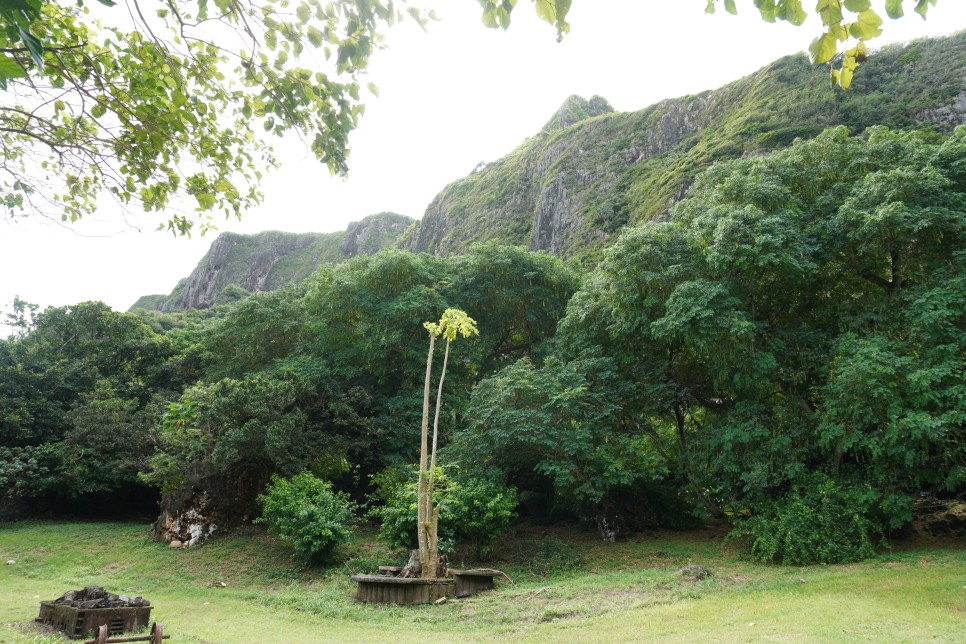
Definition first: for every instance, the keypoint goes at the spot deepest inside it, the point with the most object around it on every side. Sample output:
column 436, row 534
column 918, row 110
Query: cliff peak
column 576, row 109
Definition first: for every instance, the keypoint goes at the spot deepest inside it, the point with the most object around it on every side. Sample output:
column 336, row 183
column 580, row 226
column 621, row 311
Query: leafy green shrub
column 480, row 511
column 549, row 556
column 26, row 472
column 820, row 521
column 306, row 512
column 474, row 510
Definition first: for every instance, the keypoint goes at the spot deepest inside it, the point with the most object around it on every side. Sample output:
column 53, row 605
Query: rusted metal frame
column 156, row 636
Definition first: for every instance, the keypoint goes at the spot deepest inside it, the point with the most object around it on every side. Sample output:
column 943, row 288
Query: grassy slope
column 631, row 591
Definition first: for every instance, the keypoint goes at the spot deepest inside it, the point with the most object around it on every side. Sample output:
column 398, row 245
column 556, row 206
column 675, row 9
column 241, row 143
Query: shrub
column 480, row 511
column 474, row 510
column 820, row 521
column 306, row 512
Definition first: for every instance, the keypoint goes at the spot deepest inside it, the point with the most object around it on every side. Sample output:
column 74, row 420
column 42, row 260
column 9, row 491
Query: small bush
column 473, row 510
column 307, row 513
column 480, row 510
column 820, row 521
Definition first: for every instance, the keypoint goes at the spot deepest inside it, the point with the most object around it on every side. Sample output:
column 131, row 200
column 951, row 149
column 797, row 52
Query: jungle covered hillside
column 785, row 350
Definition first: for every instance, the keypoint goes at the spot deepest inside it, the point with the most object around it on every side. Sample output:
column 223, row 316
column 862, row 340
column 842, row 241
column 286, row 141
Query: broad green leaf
column 830, row 11
column 730, row 7
column 922, row 7
column 10, row 69
column 563, row 8
column 823, row 48
column 547, row 10
column 867, row 25
column 34, row 46
column 315, row 36
column 845, row 78
column 303, row 12
column 767, row 9
column 792, row 11
column 98, row 110
column 373, row 89
column 206, row 200
column 894, row 9
column 489, row 18
column 108, row 3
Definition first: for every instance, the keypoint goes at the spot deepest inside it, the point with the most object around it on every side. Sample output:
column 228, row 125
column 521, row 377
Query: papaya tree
column 454, row 322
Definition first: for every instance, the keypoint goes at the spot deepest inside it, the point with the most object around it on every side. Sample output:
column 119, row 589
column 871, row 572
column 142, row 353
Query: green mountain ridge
column 591, row 171
column 236, row 265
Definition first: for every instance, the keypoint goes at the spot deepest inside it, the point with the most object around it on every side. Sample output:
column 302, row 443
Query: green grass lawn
column 630, row 591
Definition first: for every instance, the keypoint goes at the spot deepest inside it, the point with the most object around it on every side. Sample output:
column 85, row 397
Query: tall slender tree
column 454, row 322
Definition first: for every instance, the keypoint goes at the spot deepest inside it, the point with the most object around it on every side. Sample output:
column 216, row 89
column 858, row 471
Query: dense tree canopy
column 80, row 391
column 794, row 337
column 326, row 377
column 800, row 312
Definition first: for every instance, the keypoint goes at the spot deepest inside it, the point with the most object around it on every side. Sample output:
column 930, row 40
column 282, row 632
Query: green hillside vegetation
column 793, row 338
column 784, row 354
column 574, row 185
column 237, row 265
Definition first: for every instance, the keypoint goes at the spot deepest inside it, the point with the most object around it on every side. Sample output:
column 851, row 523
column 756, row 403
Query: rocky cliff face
column 591, row 171
column 372, row 234
column 239, row 264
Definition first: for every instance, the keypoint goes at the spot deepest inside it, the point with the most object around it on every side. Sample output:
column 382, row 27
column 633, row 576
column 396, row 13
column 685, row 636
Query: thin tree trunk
column 424, row 494
column 432, row 540
column 439, row 401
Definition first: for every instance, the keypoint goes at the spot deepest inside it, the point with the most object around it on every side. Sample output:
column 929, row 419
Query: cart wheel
column 102, row 634
column 157, row 633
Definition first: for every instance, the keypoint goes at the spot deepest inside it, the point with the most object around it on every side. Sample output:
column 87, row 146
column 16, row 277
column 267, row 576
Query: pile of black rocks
column 97, row 597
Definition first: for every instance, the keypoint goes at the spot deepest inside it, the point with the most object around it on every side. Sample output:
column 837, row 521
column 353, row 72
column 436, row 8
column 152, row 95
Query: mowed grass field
column 247, row 588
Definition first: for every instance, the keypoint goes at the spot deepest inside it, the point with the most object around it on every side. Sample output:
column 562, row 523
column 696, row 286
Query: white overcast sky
column 449, row 98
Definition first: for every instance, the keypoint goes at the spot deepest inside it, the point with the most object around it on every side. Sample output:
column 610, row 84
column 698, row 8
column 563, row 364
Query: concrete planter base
column 379, row 589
